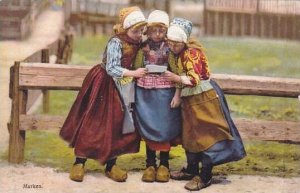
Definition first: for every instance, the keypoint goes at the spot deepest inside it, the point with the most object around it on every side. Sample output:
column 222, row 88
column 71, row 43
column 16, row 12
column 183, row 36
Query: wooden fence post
column 217, row 25
column 70, row 46
column 271, row 26
column 210, row 23
column 243, row 24
column 46, row 93
column 225, row 24
column 262, row 26
column 205, row 22
column 252, row 25
column 294, row 27
column 16, row 136
column 61, row 43
column 285, row 27
column 168, row 6
column 234, row 24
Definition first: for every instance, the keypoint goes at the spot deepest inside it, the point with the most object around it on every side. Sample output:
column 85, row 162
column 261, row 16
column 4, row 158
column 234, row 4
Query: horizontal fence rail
column 249, row 129
column 70, row 77
column 61, row 50
column 35, row 76
column 258, row 85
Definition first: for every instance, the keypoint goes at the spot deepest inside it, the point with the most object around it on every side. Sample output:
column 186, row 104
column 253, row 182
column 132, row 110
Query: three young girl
column 100, row 124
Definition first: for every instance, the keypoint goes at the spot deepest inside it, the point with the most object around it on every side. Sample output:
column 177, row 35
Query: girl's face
column 176, row 47
column 135, row 33
column 156, row 33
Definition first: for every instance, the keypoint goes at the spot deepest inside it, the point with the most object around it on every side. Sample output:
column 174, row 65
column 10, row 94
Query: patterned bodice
column 128, row 49
column 158, row 54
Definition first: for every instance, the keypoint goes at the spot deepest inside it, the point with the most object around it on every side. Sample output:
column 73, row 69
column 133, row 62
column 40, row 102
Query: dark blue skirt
column 157, row 121
column 227, row 150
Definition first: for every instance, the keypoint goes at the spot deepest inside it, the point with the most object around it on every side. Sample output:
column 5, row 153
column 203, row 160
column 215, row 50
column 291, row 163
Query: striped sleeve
column 114, row 54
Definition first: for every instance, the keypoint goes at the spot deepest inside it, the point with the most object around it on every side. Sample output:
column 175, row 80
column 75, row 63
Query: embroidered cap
column 180, row 30
column 130, row 16
column 158, row 17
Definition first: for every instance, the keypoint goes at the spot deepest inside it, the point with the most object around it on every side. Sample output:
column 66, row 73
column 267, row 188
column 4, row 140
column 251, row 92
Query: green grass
column 88, row 50
column 45, row 148
column 265, row 108
column 253, row 56
column 232, row 56
column 246, row 56
column 259, row 58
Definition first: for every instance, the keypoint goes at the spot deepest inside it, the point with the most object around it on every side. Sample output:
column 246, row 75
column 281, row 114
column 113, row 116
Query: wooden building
column 278, row 19
column 99, row 16
column 17, row 17
column 95, row 16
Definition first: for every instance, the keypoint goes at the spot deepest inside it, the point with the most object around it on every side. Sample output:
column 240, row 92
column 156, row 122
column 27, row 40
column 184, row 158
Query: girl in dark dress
column 99, row 125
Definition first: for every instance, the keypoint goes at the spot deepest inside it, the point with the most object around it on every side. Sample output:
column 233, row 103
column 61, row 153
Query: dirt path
column 14, row 177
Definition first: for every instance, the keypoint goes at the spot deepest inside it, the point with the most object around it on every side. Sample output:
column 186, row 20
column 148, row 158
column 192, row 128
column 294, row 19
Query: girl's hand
column 140, row 72
column 176, row 101
column 172, row 77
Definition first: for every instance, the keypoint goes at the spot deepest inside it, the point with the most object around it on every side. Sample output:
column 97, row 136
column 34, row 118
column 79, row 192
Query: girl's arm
column 138, row 73
column 177, row 79
column 113, row 65
column 193, row 65
column 114, row 54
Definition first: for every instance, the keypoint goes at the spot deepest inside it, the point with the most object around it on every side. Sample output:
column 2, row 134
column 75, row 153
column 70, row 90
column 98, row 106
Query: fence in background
column 99, row 16
column 38, row 76
column 278, row 19
column 60, row 51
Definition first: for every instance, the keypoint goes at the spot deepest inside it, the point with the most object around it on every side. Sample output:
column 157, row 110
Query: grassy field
column 232, row 56
column 264, row 158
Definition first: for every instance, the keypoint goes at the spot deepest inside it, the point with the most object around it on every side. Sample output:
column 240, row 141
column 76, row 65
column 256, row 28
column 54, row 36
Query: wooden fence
column 60, row 51
column 277, row 19
column 38, row 76
column 149, row 5
column 99, row 16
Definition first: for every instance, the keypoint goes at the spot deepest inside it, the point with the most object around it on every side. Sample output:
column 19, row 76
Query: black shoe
column 183, row 174
column 197, row 184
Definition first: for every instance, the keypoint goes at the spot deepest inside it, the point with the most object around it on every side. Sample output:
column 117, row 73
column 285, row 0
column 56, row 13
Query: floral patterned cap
column 185, row 24
column 180, row 30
